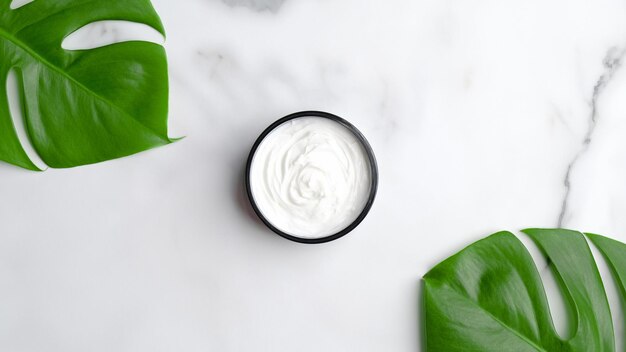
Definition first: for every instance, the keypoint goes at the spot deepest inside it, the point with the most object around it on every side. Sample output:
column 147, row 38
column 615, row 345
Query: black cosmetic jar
column 373, row 168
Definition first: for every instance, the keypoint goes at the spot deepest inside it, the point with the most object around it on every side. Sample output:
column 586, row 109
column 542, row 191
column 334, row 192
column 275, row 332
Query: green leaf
column 490, row 297
column 82, row 106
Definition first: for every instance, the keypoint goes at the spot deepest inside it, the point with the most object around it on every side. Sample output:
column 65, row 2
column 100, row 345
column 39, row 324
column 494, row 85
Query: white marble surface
column 484, row 115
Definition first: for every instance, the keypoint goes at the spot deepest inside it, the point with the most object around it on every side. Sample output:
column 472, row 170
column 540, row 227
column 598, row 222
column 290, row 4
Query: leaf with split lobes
column 81, row 106
column 490, row 297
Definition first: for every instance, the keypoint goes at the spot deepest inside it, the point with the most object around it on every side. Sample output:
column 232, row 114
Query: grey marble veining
column 258, row 5
column 612, row 62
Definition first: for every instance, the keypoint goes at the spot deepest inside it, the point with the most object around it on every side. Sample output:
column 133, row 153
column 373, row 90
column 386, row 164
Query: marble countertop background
column 485, row 115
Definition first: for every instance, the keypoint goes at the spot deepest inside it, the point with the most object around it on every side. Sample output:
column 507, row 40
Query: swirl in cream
column 310, row 177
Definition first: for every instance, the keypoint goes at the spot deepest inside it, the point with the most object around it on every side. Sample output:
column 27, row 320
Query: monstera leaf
column 81, row 106
column 490, row 297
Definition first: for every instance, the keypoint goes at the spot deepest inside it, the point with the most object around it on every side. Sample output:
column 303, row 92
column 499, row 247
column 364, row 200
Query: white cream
column 310, row 177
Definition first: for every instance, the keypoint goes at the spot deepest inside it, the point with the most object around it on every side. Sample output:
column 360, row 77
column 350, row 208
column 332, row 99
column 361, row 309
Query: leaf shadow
column 10, row 168
column 421, row 316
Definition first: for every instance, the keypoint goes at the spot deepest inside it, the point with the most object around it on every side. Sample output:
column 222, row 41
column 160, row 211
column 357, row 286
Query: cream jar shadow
column 311, row 177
